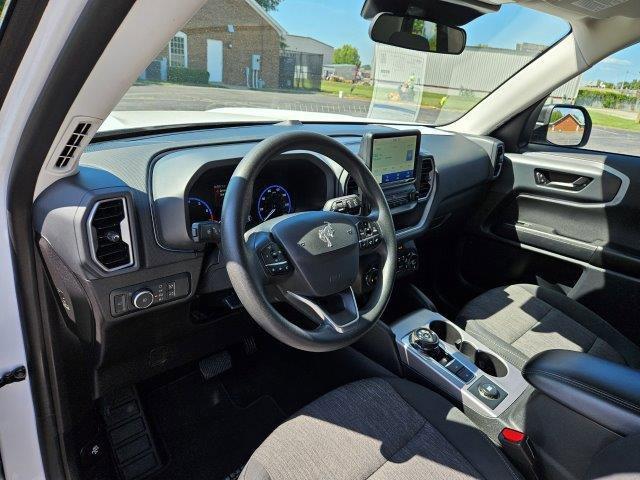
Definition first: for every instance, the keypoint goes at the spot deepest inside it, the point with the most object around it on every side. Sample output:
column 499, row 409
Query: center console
column 457, row 363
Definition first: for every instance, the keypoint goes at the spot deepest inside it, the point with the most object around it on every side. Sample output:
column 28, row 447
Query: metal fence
column 299, row 70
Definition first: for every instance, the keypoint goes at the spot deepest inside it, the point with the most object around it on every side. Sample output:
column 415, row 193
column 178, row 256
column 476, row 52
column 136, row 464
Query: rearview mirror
column 562, row 125
column 417, row 34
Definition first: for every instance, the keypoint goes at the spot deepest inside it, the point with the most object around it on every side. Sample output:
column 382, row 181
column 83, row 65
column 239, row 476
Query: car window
column 4, row 12
column 268, row 58
column 610, row 92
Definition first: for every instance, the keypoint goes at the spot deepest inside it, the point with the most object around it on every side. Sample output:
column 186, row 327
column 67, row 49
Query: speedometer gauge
column 199, row 210
column 273, row 202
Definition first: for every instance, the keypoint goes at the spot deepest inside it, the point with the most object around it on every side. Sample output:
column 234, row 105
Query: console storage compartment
column 602, row 391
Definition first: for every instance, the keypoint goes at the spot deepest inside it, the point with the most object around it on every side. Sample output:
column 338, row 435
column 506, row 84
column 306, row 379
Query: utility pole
column 625, row 81
column 638, row 98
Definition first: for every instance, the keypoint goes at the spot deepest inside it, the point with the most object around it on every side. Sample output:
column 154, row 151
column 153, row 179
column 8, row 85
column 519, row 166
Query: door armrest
column 605, row 392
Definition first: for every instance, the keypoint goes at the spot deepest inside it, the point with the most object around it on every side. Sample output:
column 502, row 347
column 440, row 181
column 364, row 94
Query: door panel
column 564, row 218
column 561, row 177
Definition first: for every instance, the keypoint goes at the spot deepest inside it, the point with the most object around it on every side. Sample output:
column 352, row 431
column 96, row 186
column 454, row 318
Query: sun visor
column 448, row 12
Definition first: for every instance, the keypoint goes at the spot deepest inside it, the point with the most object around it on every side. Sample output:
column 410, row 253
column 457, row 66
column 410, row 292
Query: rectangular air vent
column 73, row 143
column 425, row 181
column 497, row 167
column 110, row 234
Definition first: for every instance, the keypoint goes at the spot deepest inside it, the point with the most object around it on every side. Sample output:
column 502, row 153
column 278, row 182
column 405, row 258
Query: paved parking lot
column 178, row 97
column 613, row 139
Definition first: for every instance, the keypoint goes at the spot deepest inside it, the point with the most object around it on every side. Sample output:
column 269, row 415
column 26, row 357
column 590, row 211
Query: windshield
column 243, row 60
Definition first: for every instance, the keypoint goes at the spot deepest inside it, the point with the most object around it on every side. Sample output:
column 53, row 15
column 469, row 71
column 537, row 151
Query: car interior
column 321, row 298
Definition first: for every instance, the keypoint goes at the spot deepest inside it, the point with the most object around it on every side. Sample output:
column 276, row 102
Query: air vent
column 351, row 187
column 497, row 168
column 427, row 173
column 110, row 235
column 73, row 144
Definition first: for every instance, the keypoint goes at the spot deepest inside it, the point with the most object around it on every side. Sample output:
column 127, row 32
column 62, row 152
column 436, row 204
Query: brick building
column 236, row 41
column 568, row 123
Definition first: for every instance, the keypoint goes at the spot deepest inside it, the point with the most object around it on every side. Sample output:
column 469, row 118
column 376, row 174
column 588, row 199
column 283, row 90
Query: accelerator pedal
column 249, row 345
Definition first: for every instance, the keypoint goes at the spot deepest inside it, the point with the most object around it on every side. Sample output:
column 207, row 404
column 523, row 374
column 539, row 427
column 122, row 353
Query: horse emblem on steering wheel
column 326, row 233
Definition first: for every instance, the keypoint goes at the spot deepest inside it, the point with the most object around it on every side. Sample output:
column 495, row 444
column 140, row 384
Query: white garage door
column 214, row 60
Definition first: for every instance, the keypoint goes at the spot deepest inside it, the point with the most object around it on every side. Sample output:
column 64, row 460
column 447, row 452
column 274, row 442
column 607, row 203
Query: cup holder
column 488, row 363
column 447, row 332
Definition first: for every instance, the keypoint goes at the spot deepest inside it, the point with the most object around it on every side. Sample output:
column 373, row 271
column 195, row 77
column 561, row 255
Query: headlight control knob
column 142, row 299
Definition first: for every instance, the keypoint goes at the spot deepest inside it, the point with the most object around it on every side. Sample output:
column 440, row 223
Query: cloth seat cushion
column 378, row 429
column 522, row 320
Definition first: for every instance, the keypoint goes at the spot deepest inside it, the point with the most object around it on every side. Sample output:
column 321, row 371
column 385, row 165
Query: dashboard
column 117, row 238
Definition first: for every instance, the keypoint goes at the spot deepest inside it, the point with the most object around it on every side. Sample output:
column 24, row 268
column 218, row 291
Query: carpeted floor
column 208, row 429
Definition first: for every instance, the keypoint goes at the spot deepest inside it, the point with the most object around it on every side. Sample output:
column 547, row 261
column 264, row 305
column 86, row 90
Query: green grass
column 600, row 119
column 359, row 91
column 429, row 99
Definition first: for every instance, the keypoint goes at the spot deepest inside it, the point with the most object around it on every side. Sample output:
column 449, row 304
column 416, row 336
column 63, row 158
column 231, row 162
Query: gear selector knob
column 425, row 339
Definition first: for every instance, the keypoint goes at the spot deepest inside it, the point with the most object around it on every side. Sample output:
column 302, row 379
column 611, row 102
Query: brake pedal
column 250, row 346
column 215, row 365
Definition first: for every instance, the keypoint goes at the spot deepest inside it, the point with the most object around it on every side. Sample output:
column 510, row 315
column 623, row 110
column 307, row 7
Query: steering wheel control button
column 274, row 260
column 143, row 296
column 489, row 391
column 368, row 234
column 143, row 299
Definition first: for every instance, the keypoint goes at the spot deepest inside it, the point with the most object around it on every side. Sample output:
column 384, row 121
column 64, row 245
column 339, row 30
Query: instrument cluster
column 284, row 187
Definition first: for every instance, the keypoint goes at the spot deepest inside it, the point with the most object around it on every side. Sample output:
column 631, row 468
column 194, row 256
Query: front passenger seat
column 378, row 429
column 523, row 320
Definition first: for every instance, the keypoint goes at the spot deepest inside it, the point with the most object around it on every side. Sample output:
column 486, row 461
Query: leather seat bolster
column 605, row 392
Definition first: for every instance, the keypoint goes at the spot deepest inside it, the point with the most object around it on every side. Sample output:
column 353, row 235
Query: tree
column 555, row 116
column 346, row 54
column 269, row 5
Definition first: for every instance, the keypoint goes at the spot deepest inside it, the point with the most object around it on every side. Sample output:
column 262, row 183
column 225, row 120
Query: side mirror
column 417, row 34
column 562, row 125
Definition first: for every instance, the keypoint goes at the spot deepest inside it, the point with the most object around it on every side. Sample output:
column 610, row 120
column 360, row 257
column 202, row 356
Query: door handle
column 543, row 178
column 577, row 184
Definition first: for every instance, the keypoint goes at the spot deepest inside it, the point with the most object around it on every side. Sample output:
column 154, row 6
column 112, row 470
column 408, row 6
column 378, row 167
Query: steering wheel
column 307, row 259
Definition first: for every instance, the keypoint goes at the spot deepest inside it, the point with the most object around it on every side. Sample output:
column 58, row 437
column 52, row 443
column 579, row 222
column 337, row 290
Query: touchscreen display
column 393, row 158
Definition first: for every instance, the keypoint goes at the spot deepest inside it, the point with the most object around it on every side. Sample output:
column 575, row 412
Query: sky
column 621, row 66
column 337, row 22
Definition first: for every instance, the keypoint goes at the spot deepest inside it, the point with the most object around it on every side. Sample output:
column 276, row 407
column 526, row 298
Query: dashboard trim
column 172, row 237
column 412, row 232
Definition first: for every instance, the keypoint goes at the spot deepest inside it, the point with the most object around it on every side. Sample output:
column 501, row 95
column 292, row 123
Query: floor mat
column 292, row 378
column 209, row 428
column 203, row 433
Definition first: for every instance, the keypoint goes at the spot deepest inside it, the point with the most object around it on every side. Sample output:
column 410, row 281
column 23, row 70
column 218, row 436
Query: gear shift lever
column 427, row 341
